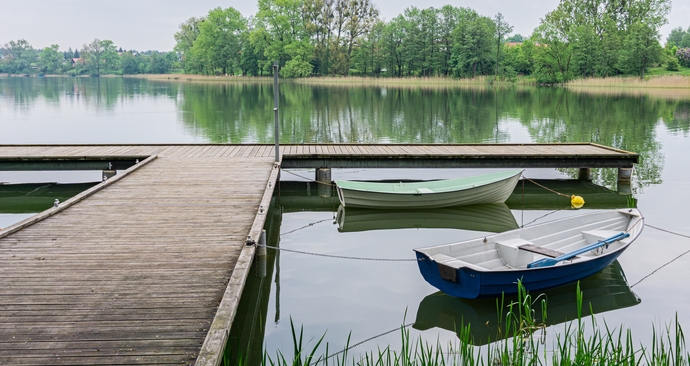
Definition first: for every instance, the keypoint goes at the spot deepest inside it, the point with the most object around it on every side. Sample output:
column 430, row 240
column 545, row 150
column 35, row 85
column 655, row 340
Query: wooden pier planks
column 133, row 273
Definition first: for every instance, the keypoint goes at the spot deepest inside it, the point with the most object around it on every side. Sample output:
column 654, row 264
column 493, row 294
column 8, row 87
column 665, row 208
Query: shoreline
column 667, row 83
column 653, row 82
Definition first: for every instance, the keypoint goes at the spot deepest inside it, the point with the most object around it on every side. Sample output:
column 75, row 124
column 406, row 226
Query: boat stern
column 449, row 275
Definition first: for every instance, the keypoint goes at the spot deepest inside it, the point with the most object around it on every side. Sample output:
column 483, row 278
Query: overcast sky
column 151, row 24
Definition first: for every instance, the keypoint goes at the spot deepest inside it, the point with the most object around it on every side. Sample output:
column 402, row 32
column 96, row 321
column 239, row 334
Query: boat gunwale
column 477, row 268
column 412, row 193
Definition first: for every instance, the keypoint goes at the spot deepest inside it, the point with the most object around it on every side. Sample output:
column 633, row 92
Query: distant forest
column 580, row 38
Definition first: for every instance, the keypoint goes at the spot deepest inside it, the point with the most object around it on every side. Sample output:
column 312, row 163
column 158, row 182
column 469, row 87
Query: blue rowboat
column 604, row 291
column 543, row 256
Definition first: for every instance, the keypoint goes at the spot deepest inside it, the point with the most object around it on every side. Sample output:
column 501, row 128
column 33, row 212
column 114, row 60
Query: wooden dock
column 148, row 266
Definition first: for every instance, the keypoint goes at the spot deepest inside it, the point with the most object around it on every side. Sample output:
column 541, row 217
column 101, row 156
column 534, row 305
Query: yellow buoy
column 576, row 201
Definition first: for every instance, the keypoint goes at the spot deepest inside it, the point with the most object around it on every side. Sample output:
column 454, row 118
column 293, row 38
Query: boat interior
column 516, row 249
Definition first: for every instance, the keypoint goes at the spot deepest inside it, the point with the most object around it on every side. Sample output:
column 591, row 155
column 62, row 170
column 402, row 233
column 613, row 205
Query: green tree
column 51, row 60
column 393, row 39
column 553, row 54
column 360, row 17
column 502, row 28
column 474, row 45
column 520, row 57
column 279, row 24
column 369, row 57
column 595, row 27
column 19, row 56
column 158, row 64
column 586, row 52
column 185, row 37
column 641, row 49
column 298, row 66
column 100, row 56
column 449, row 16
column 675, row 38
column 218, row 46
column 685, row 41
column 111, row 58
column 251, row 57
column 129, row 64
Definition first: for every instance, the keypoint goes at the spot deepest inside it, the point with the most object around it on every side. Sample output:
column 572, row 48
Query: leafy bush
column 683, row 55
column 672, row 64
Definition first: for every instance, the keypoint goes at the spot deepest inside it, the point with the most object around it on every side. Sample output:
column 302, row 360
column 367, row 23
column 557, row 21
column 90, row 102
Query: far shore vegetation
column 347, row 42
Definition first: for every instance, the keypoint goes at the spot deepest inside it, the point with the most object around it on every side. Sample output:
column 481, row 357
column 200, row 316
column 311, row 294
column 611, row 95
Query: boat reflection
column 493, row 218
column 604, row 291
column 304, row 196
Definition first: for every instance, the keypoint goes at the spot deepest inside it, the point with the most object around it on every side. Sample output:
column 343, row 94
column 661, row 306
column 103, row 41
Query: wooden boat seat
column 593, row 236
column 447, row 261
column 518, row 252
column 509, row 250
column 541, row 250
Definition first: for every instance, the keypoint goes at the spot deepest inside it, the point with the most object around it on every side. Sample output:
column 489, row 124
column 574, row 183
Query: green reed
column 521, row 340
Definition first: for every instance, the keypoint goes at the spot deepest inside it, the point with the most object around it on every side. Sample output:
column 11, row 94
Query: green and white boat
column 474, row 190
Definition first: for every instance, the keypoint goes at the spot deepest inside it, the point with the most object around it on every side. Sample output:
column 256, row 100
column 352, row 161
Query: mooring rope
column 309, row 179
column 667, row 231
column 546, row 188
column 306, row 226
column 369, row 339
column 669, row 262
column 340, row 256
column 543, row 216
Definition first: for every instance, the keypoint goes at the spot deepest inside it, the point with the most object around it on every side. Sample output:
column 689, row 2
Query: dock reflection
column 604, row 291
column 304, row 196
column 36, row 197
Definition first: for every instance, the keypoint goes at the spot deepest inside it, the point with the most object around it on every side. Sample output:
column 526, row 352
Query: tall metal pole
column 275, row 109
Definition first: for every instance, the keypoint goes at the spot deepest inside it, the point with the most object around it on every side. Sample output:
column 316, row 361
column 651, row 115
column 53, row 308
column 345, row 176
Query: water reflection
column 242, row 112
column 604, row 291
column 493, row 218
column 301, row 196
column 36, row 197
column 246, row 338
column 61, row 92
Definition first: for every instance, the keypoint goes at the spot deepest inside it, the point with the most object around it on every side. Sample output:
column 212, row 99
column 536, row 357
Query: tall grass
column 659, row 93
column 403, row 82
column 526, row 344
column 664, row 81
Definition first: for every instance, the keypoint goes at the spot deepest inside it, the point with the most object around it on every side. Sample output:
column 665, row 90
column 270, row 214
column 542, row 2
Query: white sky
column 151, row 24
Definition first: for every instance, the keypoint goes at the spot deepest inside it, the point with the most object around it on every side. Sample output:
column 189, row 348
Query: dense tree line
column 95, row 58
column 580, row 38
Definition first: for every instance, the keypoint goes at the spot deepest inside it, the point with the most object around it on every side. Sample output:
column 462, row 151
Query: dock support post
column 323, row 179
column 261, row 256
column 623, row 188
column 584, row 174
column 624, row 175
column 107, row 174
column 624, row 178
column 275, row 110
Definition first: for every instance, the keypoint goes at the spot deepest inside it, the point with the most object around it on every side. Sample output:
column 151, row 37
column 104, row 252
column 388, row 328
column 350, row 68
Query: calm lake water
column 363, row 299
